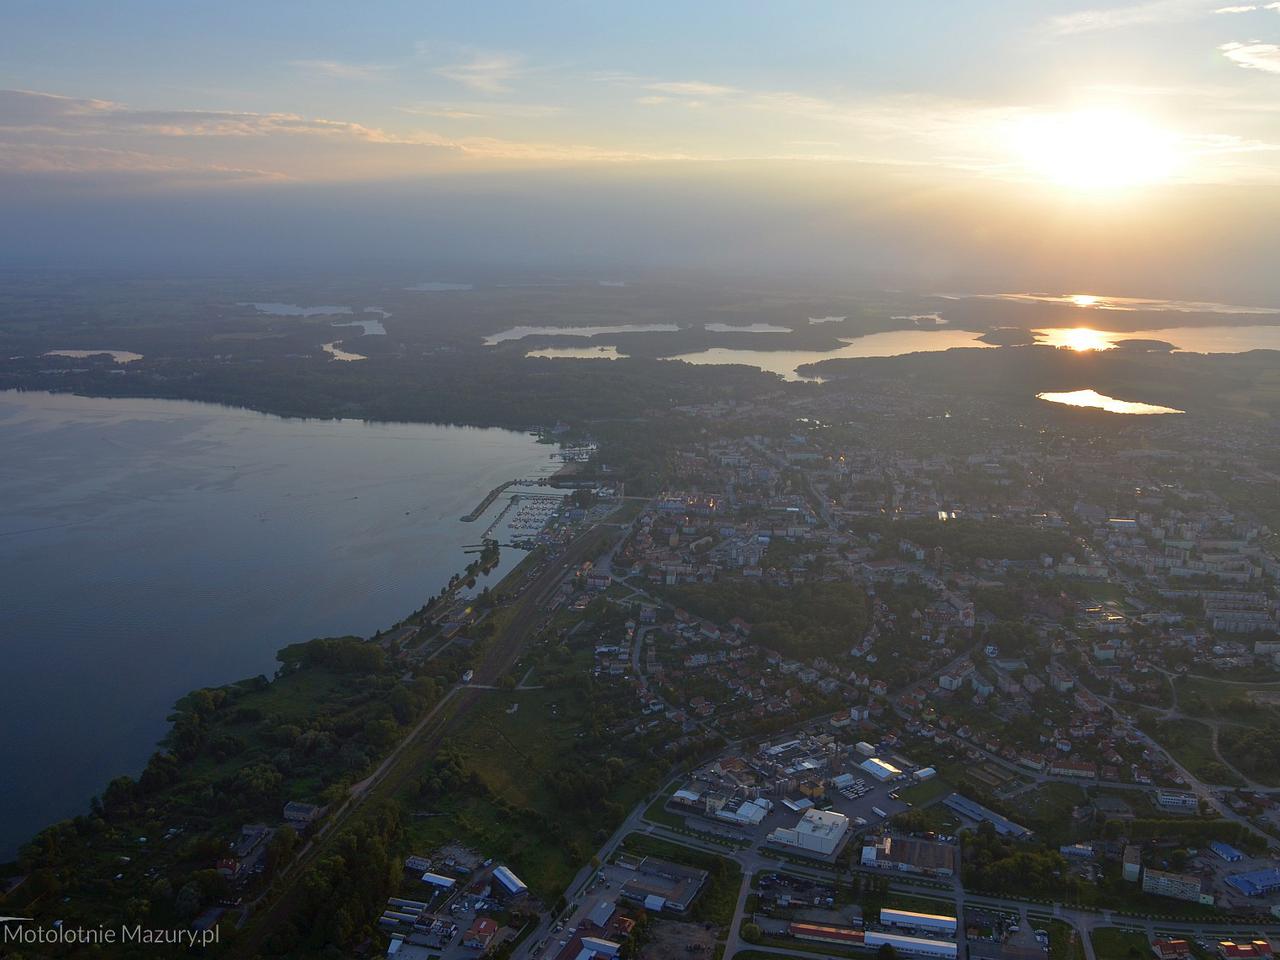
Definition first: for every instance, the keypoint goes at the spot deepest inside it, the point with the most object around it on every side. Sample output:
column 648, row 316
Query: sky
column 976, row 141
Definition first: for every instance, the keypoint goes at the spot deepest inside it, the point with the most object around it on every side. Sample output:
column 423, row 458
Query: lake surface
column 1099, row 401
column 519, row 333
column 1224, row 339
column 294, row 310
column 150, row 547
column 119, row 356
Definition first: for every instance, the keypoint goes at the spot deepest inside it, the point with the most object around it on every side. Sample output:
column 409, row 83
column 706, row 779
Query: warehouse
column 933, row 922
column 909, row 856
column 977, row 812
column 661, row 885
column 911, row 946
column 1260, row 883
column 880, row 769
column 509, row 885
column 819, row 831
column 819, row 933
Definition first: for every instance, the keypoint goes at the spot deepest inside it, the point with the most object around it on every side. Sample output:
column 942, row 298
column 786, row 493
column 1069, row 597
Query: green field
column 1191, row 743
column 926, row 792
column 1112, row 943
column 520, row 770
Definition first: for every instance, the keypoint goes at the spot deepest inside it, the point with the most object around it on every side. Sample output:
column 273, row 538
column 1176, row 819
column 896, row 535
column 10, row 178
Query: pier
column 487, row 502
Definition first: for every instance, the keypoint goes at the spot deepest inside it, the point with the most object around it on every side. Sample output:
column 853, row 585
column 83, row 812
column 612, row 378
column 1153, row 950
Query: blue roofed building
column 1259, row 883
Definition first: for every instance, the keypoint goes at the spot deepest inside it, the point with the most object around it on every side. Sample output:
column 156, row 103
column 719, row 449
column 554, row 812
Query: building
column 1170, row 949
column 818, row 933
column 971, row 810
column 1259, row 883
column 909, row 856
column 933, row 922
column 819, row 832
column 302, row 814
column 1132, row 862
column 1177, row 800
column 661, row 885
column 438, row 880
column 481, row 934
column 1254, row 950
column 1180, row 886
column 911, row 946
column 880, row 769
column 1226, row 852
column 508, row 885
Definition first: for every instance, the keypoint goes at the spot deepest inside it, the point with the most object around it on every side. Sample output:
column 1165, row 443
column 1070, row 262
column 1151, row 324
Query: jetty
column 487, row 502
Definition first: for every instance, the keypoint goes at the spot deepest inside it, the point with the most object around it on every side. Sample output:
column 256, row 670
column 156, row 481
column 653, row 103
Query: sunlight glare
column 1097, row 151
column 1081, row 339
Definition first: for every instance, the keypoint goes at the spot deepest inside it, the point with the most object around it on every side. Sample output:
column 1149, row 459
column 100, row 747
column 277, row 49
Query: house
column 481, row 934
column 302, row 814
column 1170, row 949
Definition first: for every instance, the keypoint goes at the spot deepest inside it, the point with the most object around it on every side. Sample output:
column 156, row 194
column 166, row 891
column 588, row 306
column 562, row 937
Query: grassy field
column 516, row 755
column 1064, row 941
column 1112, row 943
column 1191, row 743
column 1202, row 696
column 925, row 792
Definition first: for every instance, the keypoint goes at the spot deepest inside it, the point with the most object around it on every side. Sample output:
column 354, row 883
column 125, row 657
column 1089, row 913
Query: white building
column 933, row 922
column 819, row 832
column 911, row 946
column 880, row 769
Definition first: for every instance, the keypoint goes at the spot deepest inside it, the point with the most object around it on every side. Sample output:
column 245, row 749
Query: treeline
column 1188, row 831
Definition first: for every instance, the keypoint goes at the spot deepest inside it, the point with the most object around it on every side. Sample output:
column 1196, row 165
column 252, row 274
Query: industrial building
column 819, row 832
column 1259, row 883
column 660, row 885
column 1177, row 800
column 909, row 855
column 911, row 946
column 508, row 884
column 819, row 933
column 933, row 922
column 972, row 810
column 1226, row 852
column 880, row 769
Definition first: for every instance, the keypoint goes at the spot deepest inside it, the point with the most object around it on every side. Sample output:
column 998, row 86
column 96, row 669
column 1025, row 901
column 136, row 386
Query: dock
column 487, row 502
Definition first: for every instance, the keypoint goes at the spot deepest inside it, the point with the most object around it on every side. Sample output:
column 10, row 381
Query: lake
column 150, row 547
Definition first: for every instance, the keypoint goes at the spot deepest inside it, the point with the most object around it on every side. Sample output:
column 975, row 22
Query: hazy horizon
column 1128, row 149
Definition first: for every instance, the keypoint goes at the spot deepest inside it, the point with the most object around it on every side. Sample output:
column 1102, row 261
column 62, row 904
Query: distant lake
column 1099, row 401
column 293, row 310
column 439, row 286
column 150, row 547
column 119, row 356
column 893, row 343
column 519, row 333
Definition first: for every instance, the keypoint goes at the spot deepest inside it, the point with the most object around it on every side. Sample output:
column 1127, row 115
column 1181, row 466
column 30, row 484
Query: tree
column 752, row 933
column 887, row 952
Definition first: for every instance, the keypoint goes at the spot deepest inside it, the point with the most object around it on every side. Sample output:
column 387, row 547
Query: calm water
column 519, row 333
column 150, row 547
column 1100, row 401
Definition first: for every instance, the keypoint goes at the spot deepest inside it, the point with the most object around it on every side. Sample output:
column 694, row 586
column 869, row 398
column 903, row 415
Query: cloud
column 1253, row 55
column 340, row 70
column 31, row 112
column 483, row 110
column 1132, row 15
column 1243, row 8
column 75, row 159
column 691, row 88
column 490, row 73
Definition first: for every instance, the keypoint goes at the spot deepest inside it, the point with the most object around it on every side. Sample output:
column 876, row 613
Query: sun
column 1084, row 299
column 1081, row 339
column 1097, row 150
